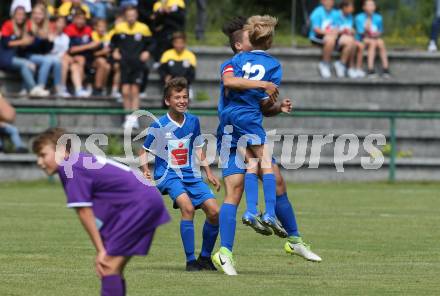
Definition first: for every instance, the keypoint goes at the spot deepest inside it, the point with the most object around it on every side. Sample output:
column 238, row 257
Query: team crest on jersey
column 171, row 63
column 85, row 39
column 138, row 37
column 186, row 64
column 168, row 135
column 178, row 153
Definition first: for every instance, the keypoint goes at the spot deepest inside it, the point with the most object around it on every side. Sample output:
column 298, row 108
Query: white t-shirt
column 60, row 45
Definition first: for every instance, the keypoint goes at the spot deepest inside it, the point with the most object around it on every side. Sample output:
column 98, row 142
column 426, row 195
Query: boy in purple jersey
column 176, row 141
column 234, row 176
column 119, row 213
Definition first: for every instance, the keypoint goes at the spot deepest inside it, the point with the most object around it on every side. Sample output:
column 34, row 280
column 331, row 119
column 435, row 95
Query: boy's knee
column 380, row 43
column 212, row 214
column 187, row 210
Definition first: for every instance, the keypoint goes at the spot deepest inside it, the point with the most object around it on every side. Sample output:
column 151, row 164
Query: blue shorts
column 197, row 190
column 235, row 164
column 244, row 122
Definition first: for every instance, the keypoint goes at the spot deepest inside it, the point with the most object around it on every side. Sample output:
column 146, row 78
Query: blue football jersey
column 345, row 22
column 223, row 100
column 254, row 65
column 375, row 30
column 173, row 146
column 323, row 19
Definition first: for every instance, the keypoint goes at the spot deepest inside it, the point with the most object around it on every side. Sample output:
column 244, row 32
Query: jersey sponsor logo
column 85, row 39
column 178, row 153
column 186, row 64
column 138, row 37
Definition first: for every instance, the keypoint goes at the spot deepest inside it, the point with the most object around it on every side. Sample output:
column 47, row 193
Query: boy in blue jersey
column 324, row 33
column 176, row 141
column 234, row 175
column 369, row 28
column 346, row 27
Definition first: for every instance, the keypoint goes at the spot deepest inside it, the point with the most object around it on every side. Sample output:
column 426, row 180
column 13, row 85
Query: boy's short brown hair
column 179, row 35
column 48, row 137
column 345, row 3
column 80, row 12
column 176, row 84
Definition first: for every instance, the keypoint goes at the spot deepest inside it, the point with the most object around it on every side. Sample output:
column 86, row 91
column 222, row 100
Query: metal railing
column 391, row 116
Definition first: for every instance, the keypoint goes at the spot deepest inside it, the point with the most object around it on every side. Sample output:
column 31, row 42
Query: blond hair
column 261, row 30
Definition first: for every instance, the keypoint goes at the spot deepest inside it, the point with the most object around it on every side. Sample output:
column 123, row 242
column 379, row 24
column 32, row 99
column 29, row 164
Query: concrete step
column 412, row 65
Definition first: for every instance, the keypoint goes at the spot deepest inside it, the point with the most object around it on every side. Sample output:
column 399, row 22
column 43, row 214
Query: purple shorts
column 129, row 230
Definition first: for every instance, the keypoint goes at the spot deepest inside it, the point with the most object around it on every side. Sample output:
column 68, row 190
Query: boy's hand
column 144, row 56
column 117, row 55
column 100, row 263
column 286, row 106
column 214, row 181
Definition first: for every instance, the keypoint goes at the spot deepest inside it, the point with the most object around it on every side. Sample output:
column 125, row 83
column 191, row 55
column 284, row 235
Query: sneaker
column 274, row 224
column 62, row 92
column 224, row 261
column 432, row 47
column 39, row 91
column 192, row 266
column 131, row 122
column 324, row 70
column 116, row 94
column 143, row 95
column 371, row 74
column 352, row 73
column 21, row 150
column 97, row 92
column 360, row 73
column 254, row 221
column 386, row 74
column 340, row 69
column 296, row 246
column 22, row 93
column 205, row 263
column 82, row 93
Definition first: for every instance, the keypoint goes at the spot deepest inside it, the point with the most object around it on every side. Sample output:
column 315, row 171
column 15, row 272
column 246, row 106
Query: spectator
column 60, row 47
column 178, row 61
column 115, row 65
column 346, row 27
column 324, row 33
column 15, row 42
column 26, row 4
column 432, row 47
column 69, row 8
column 145, row 11
column 101, row 56
column 7, row 112
column 168, row 17
column 201, row 19
column 9, row 130
column 39, row 28
column 80, row 51
column 99, row 8
column 369, row 27
column 132, row 42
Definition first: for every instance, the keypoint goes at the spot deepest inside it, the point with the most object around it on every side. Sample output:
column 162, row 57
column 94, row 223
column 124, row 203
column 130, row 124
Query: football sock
column 210, row 233
column 112, row 285
column 269, row 188
column 251, row 190
column 286, row 215
column 187, row 234
column 228, row 223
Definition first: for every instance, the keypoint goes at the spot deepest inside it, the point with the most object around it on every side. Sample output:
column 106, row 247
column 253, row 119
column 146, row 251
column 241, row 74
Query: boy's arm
column 238, row 83
column 7, row 112
column 81, row 48
column 201, row 155
column 143, row 159
column 87, row 219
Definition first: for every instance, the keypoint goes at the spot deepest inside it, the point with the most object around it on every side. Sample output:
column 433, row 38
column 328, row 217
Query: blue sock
column 286, row 215
column 112, row 285
column 251, row 190
column 210, row 233
column 228, row 213
column 187, row 234
column 269, row 188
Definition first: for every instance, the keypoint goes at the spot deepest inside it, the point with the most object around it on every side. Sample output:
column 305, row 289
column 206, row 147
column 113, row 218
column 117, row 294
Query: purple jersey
column 126, row 210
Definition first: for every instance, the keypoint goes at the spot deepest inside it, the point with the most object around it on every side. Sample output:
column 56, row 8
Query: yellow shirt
column 169, row 4
column 186, row 55
column 64, row 9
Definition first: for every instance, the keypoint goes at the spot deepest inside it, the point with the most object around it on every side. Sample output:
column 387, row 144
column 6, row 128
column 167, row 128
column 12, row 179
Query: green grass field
column 375, row 239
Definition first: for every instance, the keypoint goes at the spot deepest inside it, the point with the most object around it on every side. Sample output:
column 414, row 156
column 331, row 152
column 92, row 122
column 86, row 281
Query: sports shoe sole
column 249, row 223
column 276, row 230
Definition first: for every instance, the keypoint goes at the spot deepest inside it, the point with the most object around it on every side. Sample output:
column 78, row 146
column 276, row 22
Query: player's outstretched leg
column 286, row 214
column 210, row 233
